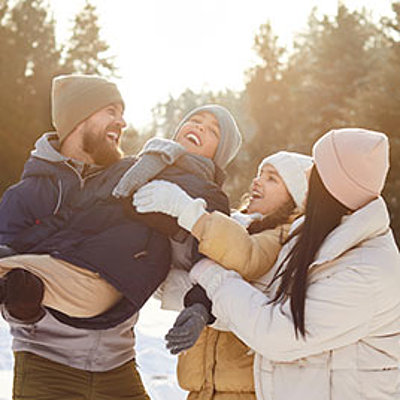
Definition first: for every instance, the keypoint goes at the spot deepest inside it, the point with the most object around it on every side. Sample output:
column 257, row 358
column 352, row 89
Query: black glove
column 22, row 293
column 187, row 328
column 5, row 251
column 198, row 295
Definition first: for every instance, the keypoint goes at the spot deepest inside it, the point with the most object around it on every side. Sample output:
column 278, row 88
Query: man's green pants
column 36, row 378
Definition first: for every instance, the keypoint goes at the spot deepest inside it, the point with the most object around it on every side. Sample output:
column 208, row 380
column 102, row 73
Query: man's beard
column 100, row 149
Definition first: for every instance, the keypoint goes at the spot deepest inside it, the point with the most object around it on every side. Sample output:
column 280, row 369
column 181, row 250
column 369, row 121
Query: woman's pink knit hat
column 353, row 164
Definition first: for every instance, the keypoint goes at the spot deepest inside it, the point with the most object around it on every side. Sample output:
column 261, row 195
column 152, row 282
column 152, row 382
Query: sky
column 163, row 47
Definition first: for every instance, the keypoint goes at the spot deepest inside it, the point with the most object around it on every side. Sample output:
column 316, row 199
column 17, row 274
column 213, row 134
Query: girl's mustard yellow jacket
column 219, row 366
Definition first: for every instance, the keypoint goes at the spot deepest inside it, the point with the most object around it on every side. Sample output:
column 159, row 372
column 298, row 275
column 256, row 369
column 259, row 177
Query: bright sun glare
column 163, row 47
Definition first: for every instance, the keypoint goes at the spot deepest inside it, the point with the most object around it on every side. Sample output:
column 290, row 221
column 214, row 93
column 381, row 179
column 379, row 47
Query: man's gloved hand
column 22, row 295
column 169, row 198
column 187, row 328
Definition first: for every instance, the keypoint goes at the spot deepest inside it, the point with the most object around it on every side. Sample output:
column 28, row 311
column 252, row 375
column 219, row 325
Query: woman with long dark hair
column 326, row 325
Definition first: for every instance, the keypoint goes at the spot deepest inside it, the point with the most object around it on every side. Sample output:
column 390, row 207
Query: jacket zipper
column 82, row 181
column 58, row 205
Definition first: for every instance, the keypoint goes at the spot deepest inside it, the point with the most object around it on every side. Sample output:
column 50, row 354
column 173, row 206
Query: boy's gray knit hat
column 231, row 138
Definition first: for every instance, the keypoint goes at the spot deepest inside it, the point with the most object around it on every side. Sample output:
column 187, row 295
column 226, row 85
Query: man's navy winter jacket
column 52, row 210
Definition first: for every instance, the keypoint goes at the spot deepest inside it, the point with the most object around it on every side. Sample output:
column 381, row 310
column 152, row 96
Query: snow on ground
column 156, row 365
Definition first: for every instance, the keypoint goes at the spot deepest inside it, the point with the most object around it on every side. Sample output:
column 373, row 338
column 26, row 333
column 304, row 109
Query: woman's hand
column 169, row 198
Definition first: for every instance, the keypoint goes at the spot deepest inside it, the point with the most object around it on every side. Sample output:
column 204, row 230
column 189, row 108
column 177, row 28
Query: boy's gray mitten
column 187, row 328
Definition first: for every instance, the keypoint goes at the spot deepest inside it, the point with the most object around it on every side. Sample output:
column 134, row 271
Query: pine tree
column 269, row 97
column 334, row 59
column 29, row 58
column 295, row 98
column 377, row 104
column 86, row 52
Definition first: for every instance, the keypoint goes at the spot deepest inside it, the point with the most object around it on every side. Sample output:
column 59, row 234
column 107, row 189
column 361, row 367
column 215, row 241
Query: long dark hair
column 279, row 217
column 323, row 214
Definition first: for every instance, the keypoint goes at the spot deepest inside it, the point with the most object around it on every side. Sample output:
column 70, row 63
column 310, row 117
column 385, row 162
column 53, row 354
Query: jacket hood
column 43, row 156
column 367, row 222
column 46, row 148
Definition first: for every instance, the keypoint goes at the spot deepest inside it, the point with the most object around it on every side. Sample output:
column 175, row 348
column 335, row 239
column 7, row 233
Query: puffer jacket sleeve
column 338, row 311
column 13, row 214
column 24, row 205
column 195, row 187
column 172, row 291
column 227, row 242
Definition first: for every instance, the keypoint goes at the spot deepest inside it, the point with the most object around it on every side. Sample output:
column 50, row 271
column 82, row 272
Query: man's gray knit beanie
column 231, row 138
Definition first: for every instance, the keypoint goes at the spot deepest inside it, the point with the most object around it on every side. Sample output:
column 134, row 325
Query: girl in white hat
column 326, row 326
column 219, row 365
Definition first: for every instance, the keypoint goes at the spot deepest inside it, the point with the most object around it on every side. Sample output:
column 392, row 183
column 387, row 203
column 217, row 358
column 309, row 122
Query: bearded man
column 62, row 213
